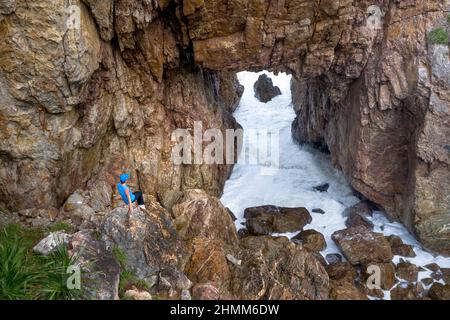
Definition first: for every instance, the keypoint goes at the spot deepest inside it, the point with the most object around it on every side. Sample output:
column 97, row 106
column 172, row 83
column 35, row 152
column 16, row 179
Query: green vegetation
column 439, row 36
column 27, row 275
column 127, row 278
column 448, row 18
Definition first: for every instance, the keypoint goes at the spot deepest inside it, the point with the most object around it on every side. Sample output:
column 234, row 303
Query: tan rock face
column 362, row 246
column 97, row 88
column 75, row 107
column 201, row 215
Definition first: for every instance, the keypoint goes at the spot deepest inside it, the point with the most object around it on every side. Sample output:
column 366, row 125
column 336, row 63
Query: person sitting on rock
column 127, row 195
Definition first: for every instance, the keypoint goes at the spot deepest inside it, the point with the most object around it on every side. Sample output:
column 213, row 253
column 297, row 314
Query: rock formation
column 264, row 89
column 95, row 88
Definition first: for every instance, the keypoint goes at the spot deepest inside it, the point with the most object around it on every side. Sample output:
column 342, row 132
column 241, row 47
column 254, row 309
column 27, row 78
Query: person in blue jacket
column 127, row 195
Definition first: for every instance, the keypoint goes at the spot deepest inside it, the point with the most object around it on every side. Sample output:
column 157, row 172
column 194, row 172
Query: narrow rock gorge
column 90, row 89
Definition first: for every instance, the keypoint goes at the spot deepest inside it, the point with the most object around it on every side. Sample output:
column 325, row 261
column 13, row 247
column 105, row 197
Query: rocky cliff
column 90, row 88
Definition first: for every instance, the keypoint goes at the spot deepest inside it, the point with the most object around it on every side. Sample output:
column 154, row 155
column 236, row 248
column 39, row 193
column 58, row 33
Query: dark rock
column 357, row 215
column 355, row 220
column 312, row 240
column 275, row 268
column 264, row 89
column 322, row 188
column 318, row 210
column 399, row 248
column 362, row 246
column 439, row 291
column 242, row 233
column 407, row 271
column 268, row 219
column 333, row 258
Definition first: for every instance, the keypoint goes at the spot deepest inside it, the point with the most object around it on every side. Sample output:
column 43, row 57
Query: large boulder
column 201, row 215
column 100, row 270
column 275, row 268
column 264, row 89
column 407, row 271
column 399, row 248
column 150, row 242
column 264, row 220
column 362, row 246
column 312, row 240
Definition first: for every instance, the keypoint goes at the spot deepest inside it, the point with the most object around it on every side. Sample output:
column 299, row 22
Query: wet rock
column 407, row 271
column 150, row 243
column 357, row 215
column 275, row 268
column 362, row 246
column 135, row 294
column 101, row 271
column 199, row 214
column 269, row 219
column 387, row 274
column 432, row 266
column 399, row 248
column 322, row 188
column 318, row 210
column 439, row 291
column 333, row 258
column 407, row 291
column 264, row 89
column 446, row 275
column 51, row 242
column 312, row 240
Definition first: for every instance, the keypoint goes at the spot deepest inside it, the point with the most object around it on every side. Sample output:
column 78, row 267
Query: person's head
column 124, row 177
